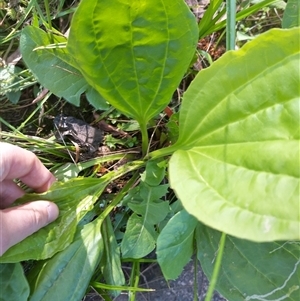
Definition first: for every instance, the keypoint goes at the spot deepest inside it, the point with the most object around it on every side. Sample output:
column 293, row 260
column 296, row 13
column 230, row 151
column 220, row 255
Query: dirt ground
column 179, row 290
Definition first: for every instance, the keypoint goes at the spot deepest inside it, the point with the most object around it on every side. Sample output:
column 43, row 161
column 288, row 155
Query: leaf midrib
column 220, row 103
column 233, row 205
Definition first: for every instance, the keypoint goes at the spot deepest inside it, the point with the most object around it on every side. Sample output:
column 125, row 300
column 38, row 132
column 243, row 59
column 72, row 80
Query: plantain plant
column 234, row 167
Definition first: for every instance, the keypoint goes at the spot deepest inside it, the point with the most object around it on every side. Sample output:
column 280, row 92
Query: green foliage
column 237, row 150
column 175, row 244
column 112, row 142
column 66, row 275
column 110, row 263
column 9, row 85
column 234, row 165
column 74, row 199
column 13, row 282
column 137, row 61
column 216, row 11
column 213, row 14
column 252, row 271
column 148, row 210
column 117, row 57
column 291, row 16
column 52, row 65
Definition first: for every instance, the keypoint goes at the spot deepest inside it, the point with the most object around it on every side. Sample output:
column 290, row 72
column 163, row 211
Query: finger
column 9, row 192
column 19, row 163
column 19, row 222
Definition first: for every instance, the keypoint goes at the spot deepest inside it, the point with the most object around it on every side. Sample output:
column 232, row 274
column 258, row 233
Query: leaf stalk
column 145, row 138
column 217, row 267
column 230, row 24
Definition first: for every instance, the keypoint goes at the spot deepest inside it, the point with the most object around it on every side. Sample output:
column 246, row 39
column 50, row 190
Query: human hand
column 16, row 223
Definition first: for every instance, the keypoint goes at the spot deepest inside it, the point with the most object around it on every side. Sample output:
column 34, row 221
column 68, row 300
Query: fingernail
column 53, row 212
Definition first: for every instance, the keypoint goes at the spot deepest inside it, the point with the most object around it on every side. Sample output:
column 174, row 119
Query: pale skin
column 17, row 223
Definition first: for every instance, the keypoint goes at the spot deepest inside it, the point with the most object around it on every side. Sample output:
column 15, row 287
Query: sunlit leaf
column 74, row 198
column 71, row 170
column 249, row 270
column 236, row 167
column 137, row 60
column 13, row 283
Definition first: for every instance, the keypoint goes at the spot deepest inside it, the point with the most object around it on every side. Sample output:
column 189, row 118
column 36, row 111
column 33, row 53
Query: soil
column 179, row 290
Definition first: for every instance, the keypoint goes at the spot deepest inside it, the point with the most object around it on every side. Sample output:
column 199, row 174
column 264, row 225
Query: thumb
column 16, row 223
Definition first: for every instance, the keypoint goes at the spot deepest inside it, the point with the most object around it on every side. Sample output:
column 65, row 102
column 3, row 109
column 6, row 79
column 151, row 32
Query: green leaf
column 74, row 198
column 279, row 4
column 71, row 170
column 252, row 271
column 66, row 276
column 140, row 236
column 173, row 128
column 9, row 82
column 52, row 67
column 149, row 210
column 95, row 99
column 154, row 173
column 210, row 17
column 111, row 263
column 137, row 61
column 139, row 239
column 175, row 244
column 152, row 210
column 238, row 147
column 291, row 15
column 214, row 26
column 13, row 283
column 151, row 194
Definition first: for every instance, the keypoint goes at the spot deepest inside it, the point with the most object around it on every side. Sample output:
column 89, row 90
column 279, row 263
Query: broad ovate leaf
column 134, row 53
column 251, row 271
column 236, row 168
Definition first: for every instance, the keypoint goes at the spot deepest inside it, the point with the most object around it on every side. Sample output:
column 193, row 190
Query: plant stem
column 240, row 15
column 46, row 2
column 134, row 279
column 119, row 196
column 230, row 24
column 217, row 267
column 145, row 139
column 230, row 45
column 163, row 152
